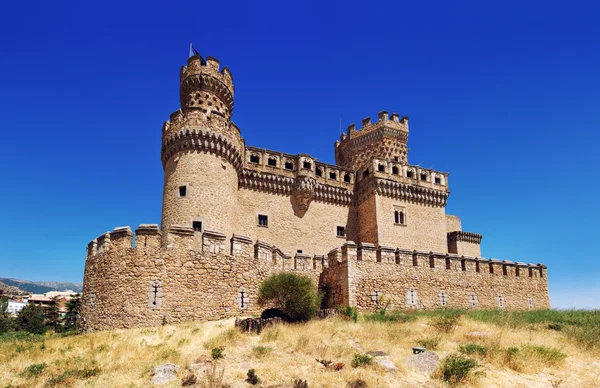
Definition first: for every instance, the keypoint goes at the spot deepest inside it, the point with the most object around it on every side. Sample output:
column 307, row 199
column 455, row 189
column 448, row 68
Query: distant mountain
column 42, row 287
column 11, row 290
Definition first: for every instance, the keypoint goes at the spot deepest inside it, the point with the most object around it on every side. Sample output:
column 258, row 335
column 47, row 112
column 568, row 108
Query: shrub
column 430, row 342
column 349, row 311
column 546, row 354
column 33, row 370
column 445, row 323
column 217, row 353
column 299, row 383
column 31, row 319
column 555, row 326
column 456, row 368
column 357, row 383
column 474, row 349
column 295, row 295
column 252, row 378
column 361, row 359
column 511, row 358
column 261, row 351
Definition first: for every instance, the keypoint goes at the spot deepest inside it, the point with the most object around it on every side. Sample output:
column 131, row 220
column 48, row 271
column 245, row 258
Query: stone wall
column 428, row 281
column 191, row 276
column 183, row 275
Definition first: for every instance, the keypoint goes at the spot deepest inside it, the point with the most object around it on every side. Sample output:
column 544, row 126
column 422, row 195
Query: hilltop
column 512, row 349
column 27, row 286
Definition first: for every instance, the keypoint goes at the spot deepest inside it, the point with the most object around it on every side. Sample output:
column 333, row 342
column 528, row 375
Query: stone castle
column 368, row 230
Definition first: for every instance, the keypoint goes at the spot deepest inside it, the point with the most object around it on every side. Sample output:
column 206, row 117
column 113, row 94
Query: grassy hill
column 531, row 349
column 41, row 287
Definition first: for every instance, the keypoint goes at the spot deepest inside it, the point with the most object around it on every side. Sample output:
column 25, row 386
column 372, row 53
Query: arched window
column 254, row 158
column 347, row 178
column 395, row 170
column 402, row 217
column 319, row 172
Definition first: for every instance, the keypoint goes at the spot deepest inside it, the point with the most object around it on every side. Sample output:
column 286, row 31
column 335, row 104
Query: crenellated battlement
column 405, row 173
column 383, row 121
column 148, row 239
column 386, row 138
column 197, row 66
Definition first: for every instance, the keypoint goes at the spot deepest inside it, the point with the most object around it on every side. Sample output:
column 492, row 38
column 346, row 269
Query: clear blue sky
column 504, row 95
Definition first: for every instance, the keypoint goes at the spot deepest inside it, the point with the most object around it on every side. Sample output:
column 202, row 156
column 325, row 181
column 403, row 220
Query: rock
column 163, row 373
column 386, row 363
column 382, row 359
column 425, row 363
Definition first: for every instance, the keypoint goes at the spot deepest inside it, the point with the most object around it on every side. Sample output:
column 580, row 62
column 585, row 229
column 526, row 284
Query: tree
column 31, row 319
column 52, row 313
column 6, row 322
column 294, row 295
column 73, row 308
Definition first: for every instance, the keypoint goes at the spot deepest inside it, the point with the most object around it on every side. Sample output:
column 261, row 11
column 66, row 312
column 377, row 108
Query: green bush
column 445, row 323
column 361, row 359
column 31, row 319
column 295, row 295
column 349, row 311
column 261, row 351
column 252, row 378
column 430, row 343
column 546, row 354
column 474, row 349
column 456, row 368
column 33, row 370
column 217, row 353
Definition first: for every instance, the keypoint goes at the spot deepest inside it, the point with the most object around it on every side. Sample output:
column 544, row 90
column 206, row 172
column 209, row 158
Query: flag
column 194, row 52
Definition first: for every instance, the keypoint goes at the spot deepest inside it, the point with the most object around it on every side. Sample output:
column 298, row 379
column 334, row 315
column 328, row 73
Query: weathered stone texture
column 210, row 253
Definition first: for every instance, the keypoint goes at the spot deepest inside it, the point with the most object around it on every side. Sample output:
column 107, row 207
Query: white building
column 14, row 307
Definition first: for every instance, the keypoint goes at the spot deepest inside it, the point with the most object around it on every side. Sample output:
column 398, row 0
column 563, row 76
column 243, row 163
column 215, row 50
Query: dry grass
column 125, row 358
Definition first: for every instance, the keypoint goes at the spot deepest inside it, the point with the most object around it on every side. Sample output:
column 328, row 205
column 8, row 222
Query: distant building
column 14, row 307
column 58, row 298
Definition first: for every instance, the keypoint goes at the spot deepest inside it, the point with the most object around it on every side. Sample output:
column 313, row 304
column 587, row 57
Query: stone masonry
column 234, row 214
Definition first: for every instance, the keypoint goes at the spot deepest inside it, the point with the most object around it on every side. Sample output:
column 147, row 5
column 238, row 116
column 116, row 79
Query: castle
column 368, row 229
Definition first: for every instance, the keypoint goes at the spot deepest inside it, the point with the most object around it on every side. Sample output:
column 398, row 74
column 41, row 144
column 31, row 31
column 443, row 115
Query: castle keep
column 372, row 227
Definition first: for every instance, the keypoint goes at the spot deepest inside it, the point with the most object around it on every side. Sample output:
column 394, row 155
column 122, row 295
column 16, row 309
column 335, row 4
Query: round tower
column 202, row 151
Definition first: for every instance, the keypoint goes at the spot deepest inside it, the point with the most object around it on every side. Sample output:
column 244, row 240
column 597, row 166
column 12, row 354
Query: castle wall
column 197, row 278
column 367, row 220
column 211, row 193
column 424, row 229
column 373, row 284
column 313, row 232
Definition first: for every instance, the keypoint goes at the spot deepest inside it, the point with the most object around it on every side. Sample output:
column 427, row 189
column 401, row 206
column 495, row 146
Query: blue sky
column 505, row 96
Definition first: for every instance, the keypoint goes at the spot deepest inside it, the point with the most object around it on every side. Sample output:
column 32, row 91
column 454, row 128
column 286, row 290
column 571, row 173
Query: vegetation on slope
column 477, row 348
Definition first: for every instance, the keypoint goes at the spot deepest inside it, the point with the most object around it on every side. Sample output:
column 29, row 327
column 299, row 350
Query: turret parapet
column 196, row 66
column 385, row 138
column 405, row 173
column 366, row 252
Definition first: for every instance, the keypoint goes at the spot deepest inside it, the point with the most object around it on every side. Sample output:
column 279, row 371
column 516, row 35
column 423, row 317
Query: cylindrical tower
column 202, row 151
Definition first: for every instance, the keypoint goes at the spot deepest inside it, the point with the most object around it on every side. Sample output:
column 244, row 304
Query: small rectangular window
column 332, row 175
column 476, row 266
column 182, row 191
column 341, row 231
column 463, row 265
column 423, row 177
column 438, row 181
column 381, row 168
column 263, row 220
column 504, row 270
column 272, row 162
column 409, row 174
column 197, row 225
column 299, row 251
column 289, row 165
column 306, row 165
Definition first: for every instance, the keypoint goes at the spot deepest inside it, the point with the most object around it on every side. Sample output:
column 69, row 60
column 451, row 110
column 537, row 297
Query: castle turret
column 202, row 151
column 385, row 139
